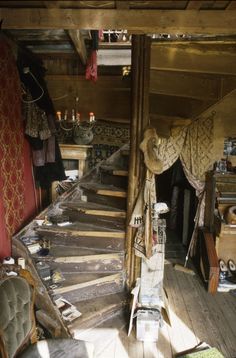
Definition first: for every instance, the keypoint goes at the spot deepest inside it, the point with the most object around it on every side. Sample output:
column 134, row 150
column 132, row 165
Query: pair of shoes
column 227, row 273
column 224, row 273
column 232, row 270
column 232, row 267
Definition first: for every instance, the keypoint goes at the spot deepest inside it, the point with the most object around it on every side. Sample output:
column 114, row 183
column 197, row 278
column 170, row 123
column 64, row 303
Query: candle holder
column 80, row 131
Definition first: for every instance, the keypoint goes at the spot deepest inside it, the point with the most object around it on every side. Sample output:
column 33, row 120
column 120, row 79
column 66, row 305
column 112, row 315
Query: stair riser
column 95, row 266
column 93, row 243
column 110, row 179
column 124, row 162
column 94, row 291
column 114, row 202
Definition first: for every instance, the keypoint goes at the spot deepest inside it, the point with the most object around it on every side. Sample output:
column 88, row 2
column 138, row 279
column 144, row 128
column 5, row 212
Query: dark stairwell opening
column 174, row 189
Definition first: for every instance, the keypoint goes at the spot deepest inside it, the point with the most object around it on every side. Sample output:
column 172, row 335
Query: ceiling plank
column 197, row 59
column 148, row 21
column 79, row 44
column 187, row 85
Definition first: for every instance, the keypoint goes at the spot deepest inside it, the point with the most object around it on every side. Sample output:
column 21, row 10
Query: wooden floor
column 195, row 316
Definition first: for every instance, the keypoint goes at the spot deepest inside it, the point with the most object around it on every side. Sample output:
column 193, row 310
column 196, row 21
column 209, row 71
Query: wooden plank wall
column 109, row 98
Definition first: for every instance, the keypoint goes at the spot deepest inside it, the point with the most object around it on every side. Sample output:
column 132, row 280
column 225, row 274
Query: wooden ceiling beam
column 75, row 35
column 122, row 5
column 195, row 59
column 79, row 44
column 52, row 4
column 194, row 5
column 231, row 6
column 147, row 21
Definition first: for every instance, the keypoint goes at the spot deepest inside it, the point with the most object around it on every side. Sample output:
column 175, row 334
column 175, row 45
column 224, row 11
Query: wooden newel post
column 140, row 67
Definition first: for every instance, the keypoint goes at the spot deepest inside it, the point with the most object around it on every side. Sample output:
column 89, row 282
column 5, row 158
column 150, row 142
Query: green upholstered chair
column 17, row 322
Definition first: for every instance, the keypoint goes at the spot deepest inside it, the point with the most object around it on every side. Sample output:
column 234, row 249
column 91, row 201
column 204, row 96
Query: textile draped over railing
column 193, row 144
column 142, row 217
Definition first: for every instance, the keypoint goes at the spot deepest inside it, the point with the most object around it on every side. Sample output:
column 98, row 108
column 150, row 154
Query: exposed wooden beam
column 79, row 44
column 75, row 35
column 52, row 4
column 148, row 21
column 194, row 5
column 180, row 84
column 122, row 4
column 194, row 58
column 231, row 6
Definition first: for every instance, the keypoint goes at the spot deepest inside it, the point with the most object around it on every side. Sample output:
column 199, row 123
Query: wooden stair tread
column 82, row 257
column 68, row 251
column 84, row 279
column 78, row 218
column 68, row 286
column 115, row 170
column 83, row 229
column 107, row 190
column 74, row 278
column 96, row 243
column 93, row 208
column 125, row 152
column 96, row 309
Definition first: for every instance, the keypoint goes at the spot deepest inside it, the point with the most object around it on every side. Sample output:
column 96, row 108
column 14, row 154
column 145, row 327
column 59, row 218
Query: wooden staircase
column 89, row 252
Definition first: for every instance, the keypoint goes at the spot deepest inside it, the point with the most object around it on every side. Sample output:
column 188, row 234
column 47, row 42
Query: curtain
column 193, row 144
column 15, row 163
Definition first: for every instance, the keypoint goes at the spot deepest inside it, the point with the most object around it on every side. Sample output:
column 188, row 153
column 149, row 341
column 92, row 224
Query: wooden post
column 141, row 46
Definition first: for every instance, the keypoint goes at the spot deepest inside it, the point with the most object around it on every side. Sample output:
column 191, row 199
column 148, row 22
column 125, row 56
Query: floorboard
column 196, row 316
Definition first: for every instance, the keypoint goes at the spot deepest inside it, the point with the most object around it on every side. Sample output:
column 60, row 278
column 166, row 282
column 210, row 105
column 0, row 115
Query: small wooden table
column 76, row 152
column 73, row 152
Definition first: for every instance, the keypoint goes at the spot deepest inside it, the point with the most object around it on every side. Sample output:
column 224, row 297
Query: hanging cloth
column 91, row 68
column 36, row 120
column 142, row 217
